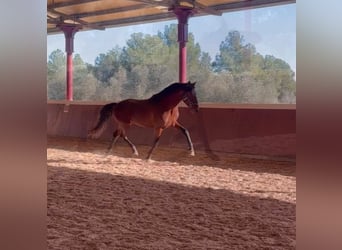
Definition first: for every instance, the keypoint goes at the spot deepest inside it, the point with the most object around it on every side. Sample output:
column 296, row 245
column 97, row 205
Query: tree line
column 149, row 63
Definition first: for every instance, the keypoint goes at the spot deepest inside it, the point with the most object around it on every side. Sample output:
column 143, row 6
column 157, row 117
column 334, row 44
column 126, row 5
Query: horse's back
column 135, row 112
column 145, row 113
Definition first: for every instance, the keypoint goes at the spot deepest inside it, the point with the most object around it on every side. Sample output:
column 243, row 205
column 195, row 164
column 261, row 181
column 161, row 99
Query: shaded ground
column 115, row 201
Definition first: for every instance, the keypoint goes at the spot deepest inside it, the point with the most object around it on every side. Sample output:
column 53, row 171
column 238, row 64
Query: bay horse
column 160, row 111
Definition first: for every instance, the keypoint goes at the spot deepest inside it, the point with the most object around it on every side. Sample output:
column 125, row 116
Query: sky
column 272, row 30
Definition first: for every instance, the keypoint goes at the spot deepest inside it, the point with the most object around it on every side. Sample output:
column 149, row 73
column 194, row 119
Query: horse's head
column 190, row 97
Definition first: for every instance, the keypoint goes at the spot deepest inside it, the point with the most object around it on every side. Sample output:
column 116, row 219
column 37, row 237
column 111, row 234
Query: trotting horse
column 159, row 112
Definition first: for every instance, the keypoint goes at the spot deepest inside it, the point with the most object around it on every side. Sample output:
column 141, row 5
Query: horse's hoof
column 136, row 153
column 149, row 160
column 192, row 153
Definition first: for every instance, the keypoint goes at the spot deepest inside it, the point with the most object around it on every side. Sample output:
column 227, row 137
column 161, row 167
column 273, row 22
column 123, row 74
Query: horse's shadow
column 106, row 211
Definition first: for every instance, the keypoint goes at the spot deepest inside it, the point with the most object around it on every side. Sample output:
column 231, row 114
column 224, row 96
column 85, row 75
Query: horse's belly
column 145, row 122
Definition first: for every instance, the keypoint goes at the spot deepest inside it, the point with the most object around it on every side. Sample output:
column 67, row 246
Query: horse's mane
column 172, row 87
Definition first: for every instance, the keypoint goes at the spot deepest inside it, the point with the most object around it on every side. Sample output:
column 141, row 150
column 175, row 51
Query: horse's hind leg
column 135, row 151
column 187, row 135
column 116, row 136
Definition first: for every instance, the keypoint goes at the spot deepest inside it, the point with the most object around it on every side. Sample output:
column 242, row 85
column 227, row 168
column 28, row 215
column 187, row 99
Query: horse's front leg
column 157, row 133
column 187, row 135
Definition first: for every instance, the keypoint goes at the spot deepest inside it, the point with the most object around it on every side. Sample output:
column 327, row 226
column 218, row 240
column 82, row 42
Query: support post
column 183, row 15
column 69, row 32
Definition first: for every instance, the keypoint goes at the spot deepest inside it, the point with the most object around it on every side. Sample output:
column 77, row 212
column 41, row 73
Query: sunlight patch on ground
column 263, row 185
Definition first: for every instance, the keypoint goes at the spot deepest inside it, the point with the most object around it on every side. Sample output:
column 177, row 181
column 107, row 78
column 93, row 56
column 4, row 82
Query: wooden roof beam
column 235, row 6
column 111, row 11
column 75, row 19
column 139, row 19
column 163, row 3
column 67, row 4
column 177, row 3
column 203, row 8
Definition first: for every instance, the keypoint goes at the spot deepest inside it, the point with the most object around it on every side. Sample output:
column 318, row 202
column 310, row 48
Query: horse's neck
column 169, row 101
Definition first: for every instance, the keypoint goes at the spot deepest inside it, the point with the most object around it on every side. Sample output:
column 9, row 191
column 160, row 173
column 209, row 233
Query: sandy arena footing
column 176, row 201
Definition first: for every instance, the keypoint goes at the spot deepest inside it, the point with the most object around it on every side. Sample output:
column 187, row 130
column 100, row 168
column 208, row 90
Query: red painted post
column 69, row 32
column 182, row 62
column 182, row 14
column 69, row 78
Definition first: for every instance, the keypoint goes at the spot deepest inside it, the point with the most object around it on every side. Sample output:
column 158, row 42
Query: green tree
column 235, row 56
column 84, row 83
column 145, row 50
column 56, row 75
column 169, row 36
column 147, row 61
column 198, row 62
column 114, row 91
column 279, row 73
column 106, row 65
column 170, row 39
column 256, row 79
column 56, row 61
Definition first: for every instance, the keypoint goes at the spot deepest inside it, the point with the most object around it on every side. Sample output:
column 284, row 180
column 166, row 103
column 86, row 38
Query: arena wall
column 254, row 130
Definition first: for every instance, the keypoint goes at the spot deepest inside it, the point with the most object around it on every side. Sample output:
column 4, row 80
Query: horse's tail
column 105, row 114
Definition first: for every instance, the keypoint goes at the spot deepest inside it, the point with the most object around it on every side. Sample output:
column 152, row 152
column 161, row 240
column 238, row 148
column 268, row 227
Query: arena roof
column 101, row 14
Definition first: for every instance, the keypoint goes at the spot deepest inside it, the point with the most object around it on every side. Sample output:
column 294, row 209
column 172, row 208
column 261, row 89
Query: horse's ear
column 194, row 83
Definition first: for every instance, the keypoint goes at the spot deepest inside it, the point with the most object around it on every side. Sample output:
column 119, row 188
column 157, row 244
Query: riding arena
column 102, row 197
column 168, row 172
